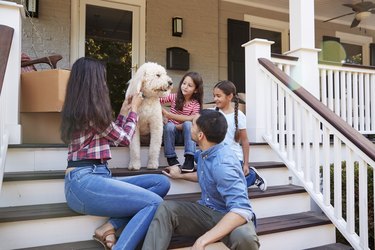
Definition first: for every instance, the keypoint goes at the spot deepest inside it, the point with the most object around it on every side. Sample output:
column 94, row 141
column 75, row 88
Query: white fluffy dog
column 152, row 80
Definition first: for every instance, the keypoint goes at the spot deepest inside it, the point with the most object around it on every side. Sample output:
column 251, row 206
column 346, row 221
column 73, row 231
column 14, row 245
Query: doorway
column 111, row 32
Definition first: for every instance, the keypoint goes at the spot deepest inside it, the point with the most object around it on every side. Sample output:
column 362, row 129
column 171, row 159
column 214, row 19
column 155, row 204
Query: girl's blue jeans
column 251, row 177
column 128, row 201
column 171, row 136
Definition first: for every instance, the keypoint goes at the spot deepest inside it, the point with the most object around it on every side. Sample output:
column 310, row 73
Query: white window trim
column 272, row 25
column 363, row 41
column 140, row 34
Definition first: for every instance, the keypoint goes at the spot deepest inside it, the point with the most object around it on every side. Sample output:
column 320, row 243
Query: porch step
column 334, row 246
column 59, row 210
column 266, row 226
column 42, row 187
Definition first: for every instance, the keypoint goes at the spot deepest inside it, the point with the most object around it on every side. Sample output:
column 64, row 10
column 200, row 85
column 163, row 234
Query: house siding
column 200, row 36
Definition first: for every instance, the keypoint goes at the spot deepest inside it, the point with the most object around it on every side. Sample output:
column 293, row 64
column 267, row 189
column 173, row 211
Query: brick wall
column 200, row 37
column 49, row 33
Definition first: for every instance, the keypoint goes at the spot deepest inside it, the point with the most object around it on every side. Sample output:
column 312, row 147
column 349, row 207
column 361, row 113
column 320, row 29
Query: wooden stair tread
column 264, row 226
column 282, row 223
column 59, row 174
column 334, row 246
column 46, row 211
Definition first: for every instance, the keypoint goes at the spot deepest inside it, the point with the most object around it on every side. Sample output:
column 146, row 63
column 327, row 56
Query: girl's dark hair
column 228, row 88
column 198, row 95
column 87, row 102
column 213, row 125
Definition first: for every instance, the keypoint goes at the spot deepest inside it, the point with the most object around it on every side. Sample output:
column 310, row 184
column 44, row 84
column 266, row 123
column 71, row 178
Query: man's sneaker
column 173, row 161
column 259, row 180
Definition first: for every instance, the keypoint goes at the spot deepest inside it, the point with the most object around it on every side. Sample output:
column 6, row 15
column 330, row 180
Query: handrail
column 353, row 135
column 5, row 43
column 5, row 46
column 299, row 128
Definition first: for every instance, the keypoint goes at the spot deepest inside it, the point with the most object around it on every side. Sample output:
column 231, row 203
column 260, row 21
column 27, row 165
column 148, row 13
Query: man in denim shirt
column 224, row 211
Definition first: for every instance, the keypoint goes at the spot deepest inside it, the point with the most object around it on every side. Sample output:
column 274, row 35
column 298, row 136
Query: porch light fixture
column 32, row 8
column 177, row 26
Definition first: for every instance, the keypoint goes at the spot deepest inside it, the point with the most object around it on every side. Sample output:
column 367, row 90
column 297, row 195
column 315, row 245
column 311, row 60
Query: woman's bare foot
column 105, row 234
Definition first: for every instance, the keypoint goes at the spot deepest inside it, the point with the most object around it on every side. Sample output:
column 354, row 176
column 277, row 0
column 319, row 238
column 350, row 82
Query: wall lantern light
column 177, row 26
column 32, row 8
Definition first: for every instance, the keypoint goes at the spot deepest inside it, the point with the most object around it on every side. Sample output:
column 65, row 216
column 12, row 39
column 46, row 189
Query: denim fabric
column 251, row 177
column 222, row 181
column 129, row 201
column 172, row 135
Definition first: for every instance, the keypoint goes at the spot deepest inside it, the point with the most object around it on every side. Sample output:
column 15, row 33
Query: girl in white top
column 224, row 92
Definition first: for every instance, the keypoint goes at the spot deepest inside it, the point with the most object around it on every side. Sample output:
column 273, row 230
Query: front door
column 109, row 33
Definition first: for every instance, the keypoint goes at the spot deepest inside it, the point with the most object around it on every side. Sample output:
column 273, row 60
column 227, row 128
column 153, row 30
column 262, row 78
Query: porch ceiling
column 324, row 9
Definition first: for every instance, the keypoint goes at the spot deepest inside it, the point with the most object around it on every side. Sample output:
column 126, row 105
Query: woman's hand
column 136, row 101
column 126, row 106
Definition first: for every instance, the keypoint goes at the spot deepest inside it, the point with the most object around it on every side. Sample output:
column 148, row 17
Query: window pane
column 353, row 53
column 269, row 35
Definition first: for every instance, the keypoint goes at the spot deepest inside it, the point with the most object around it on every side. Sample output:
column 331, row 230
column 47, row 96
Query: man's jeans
column 193, row 219
column 172, row 135
column 130, row 201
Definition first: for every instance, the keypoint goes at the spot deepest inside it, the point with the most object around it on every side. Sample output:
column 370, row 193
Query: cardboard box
column 41, row 127
column 43, row 91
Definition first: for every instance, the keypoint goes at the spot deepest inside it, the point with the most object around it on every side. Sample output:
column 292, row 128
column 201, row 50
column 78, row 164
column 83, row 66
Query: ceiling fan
column 361, row 10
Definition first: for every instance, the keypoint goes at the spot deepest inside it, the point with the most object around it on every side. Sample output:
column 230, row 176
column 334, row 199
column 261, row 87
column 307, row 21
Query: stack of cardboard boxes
column 42, row 99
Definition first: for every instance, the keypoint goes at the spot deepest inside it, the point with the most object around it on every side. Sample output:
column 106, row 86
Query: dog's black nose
column 170, row 83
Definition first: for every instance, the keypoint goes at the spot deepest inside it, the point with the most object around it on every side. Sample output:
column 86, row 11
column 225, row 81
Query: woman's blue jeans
column 172, row 135
column 128, row 201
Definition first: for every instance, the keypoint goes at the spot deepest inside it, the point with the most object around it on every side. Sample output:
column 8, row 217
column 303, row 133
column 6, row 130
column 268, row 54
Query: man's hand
column 173, row 172
column 199, row 244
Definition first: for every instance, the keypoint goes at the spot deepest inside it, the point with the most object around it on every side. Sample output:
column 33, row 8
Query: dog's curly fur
column 152, row 80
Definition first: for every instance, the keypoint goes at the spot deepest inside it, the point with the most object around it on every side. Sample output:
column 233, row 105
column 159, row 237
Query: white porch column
column 302, row 44
column 255, row 93
column 10, row 15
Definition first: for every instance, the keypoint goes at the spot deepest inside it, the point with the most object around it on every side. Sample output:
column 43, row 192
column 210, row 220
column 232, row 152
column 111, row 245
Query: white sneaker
column 260, row 182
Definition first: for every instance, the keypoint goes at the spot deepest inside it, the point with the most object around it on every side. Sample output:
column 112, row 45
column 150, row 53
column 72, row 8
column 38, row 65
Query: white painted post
column 302, row 45
column 10, row 15
column 255, row 92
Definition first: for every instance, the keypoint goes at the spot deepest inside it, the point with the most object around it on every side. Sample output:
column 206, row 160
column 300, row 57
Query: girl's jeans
column 129, row 201
column 251, row 177
column 172, row 135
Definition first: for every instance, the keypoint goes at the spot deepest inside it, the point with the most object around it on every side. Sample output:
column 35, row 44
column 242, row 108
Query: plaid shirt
column 94, row 144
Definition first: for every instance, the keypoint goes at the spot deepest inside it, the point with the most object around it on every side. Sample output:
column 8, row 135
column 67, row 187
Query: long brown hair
column 87, row 102
column 197, row 95
column 228, row 88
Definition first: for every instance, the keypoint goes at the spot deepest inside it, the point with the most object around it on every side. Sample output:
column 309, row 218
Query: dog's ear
column 136, row 83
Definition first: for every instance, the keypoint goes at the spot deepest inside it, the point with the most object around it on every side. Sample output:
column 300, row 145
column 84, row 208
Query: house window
column 270, row 29
column 356, row 46
column 269, row 35
column 353, row 53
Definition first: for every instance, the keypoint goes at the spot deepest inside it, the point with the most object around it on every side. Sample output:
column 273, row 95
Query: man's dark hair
column 213, row 125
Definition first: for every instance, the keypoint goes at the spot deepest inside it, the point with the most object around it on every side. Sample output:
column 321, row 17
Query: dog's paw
column 152, row 166
column 133, row 166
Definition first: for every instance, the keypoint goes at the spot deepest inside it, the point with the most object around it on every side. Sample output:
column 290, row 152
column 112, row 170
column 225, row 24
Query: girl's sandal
column 107, row 244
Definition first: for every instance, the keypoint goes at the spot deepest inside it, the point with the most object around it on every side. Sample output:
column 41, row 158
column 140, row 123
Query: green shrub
column 370, row 197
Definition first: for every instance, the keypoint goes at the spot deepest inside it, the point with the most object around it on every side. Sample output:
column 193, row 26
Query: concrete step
column 42, row 187
column 57, row 224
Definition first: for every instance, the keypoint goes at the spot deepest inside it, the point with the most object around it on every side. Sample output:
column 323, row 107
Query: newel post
column 255, row 92
column 10, row 15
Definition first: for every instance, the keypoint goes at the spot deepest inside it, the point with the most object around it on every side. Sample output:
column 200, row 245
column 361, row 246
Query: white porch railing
column 4, row 136
column 350, row 93
column 298, row 126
